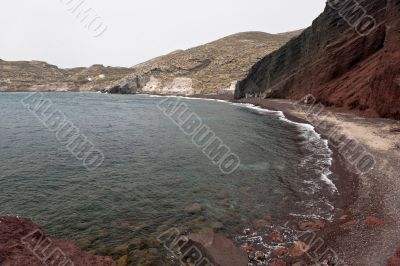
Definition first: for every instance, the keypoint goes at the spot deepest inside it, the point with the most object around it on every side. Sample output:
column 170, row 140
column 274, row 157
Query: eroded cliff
column 349, row 58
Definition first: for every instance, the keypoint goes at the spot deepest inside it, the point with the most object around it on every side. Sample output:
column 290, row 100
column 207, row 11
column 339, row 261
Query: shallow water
column 152, row 171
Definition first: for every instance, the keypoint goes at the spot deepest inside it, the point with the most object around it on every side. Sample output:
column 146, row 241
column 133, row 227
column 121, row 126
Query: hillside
column 339, row 66
column 207, row 69
column 41, row 76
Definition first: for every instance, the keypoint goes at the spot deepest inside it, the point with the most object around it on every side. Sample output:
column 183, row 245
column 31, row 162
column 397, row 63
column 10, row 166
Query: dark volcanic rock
column 337, row 65
column 24, row 243
column 129, row 85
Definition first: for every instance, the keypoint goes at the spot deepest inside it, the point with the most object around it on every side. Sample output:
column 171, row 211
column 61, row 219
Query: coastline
column 365, row 229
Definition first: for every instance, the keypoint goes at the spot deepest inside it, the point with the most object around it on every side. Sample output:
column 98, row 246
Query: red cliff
column 349, row 58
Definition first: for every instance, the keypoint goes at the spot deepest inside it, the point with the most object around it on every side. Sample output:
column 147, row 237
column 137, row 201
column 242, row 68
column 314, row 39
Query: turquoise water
column 152, row 172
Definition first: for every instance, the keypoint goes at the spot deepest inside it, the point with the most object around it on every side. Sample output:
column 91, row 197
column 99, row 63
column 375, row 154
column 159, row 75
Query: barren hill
column 41, row 76
column 206, row 69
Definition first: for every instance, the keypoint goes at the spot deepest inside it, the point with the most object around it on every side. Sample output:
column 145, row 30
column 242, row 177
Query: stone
column 121, row 249
column 206, row 230
column 123, row 261
column 275, row 236
column 219, row 249
column 373, row 221
column 280, row 251
column 259, row 255
column 298, row 249
column 201, row 219
column 312, row 225
column 194, row 208
column 251, row 256
column 261, row 223
column 83, row 243
column 217, row 225
column 81, row 226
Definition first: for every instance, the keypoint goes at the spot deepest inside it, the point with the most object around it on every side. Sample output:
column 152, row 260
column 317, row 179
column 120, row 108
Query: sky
column 72, row 33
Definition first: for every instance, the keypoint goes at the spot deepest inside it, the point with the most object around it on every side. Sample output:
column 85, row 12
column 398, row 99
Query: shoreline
column 363, row 232
column 345, row 181
column 353, row 234
column 365, row 228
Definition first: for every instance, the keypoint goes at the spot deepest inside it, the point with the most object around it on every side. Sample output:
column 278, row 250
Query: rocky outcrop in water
column 344, row 59
column 22, row 243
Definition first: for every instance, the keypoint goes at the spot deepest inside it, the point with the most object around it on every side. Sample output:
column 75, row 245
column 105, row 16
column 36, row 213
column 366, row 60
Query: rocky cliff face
column 24, row 243
column 206, row 69
column 349, row 58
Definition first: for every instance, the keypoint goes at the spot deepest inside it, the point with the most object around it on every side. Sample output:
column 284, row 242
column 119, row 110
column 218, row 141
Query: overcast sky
column 126, row 32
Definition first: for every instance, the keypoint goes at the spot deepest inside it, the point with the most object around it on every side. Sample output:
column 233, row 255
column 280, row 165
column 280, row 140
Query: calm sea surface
column 152, row 172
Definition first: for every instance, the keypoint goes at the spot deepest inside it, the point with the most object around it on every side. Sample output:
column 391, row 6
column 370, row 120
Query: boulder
column 218, row 249
column 194, row 208
column 311, row 225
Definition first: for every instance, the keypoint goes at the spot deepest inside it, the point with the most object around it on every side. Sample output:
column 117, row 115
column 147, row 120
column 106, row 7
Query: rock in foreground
column 24, row 243
column 218, row 249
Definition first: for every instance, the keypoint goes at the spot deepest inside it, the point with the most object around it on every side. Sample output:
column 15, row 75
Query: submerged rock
column 261, row 223
column 123, row 261
column 194, row 208
column 218, row 249
column 298, row 249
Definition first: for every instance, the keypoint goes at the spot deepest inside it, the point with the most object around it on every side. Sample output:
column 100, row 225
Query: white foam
column 311, row 134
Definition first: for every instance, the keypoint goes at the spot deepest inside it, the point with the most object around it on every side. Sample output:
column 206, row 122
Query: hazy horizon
column 125, row 33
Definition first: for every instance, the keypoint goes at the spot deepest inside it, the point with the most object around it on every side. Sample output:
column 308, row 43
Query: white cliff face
column 179, row 86
column 153, row 86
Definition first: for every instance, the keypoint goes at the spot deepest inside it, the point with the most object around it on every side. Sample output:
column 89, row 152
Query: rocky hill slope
column 344, row 59
column 207, row 69
column 41, row 76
